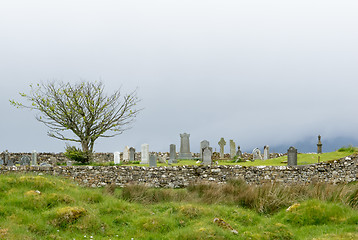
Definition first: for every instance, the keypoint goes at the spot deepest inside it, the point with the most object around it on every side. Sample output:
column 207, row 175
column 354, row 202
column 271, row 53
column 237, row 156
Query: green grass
column 47, row 207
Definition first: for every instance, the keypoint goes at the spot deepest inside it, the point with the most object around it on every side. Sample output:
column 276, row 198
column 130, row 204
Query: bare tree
column 82, row 108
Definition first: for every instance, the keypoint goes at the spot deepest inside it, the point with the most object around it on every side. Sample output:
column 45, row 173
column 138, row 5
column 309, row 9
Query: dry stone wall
column 340, row 171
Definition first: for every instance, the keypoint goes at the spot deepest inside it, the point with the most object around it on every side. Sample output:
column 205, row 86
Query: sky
column 259, row 72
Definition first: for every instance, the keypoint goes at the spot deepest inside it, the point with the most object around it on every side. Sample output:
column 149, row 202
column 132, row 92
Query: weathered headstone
column 256, row 154
column 144, row 153
column 266, row 152
column 6, row 157
column 126, row 154
column 34, row 158
column 10, row 162
column 152, row 160
column 117, row 157
column 53, row 161
column 1, row 162
column 184, row 147
column 203, row 144
column 222, row 144
column 161, row 159
column 207, row 156
column 319, row 145
column 131, row 154
column 172, row 154
column 232, row 148
column 239, row 153
column 45, row 165
column 292, row 156
column 25, row 160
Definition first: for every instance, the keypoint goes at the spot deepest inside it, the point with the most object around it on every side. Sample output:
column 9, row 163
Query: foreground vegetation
column 47, row 207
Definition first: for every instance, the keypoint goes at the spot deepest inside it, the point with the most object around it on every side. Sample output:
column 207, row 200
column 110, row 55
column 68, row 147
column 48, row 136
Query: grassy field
column 47, row 207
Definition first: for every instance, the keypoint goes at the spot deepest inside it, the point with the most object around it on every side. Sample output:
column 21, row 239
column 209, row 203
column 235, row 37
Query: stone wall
column 340, row 171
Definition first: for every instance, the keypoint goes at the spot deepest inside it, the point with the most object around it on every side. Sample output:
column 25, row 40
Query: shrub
column 349, row 148
column 77, row 154
column 68, row 215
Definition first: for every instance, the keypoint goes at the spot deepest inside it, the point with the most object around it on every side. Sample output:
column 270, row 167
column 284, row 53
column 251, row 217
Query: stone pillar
column 184, row 147
column 222, row 143
column 232, row 148
column 6, row 157
column 144, row 154
column 152, row 160
column 203, row 144
column 266, row 152
column 125, row 154
column 207, row 156
column 292, row 156
column 319, row 145
column 116, row 157
column 131, row 154
column 172, row 154
column 34, row 158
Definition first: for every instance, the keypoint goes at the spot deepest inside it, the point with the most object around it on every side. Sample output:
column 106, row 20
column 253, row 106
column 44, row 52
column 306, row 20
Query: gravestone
column 45, row 165
column 10, row 162
column 239, row 153
column 207, row 156
column 222, row 144
column 69, row 163
column 184, row 147
column 34, row 158
column 256, row 154
column 292, row 156
column 172, row 154
column 232, row 148
column 1, row 162
column 144, row 153
column 53, row 161
column 266, row 152
column 6, row 156
column 203, row 144
column 117, row 157
column 126, row 154
column 319, row 145
column 152, row 160
column 161, row 159
column 131, row 154
column 25, row 160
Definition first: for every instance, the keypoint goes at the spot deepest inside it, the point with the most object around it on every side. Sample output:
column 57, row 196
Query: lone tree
column 82, row 108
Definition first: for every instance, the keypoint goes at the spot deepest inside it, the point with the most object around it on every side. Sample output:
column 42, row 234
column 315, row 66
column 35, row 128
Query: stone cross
column 131, row 154
column 172, row 154
column 184, row 147
column 239, row 153
column 207, row 156
column 203, row 144
column 144, row 154
column 232, row 148
column 34, row 158
column 292, row 156
column 256, row 154
column 25, row 160
column 152, row 160
column 319, row 145
column 222, row 143
column 117, row 158
column 126, row 154
column 266, row 152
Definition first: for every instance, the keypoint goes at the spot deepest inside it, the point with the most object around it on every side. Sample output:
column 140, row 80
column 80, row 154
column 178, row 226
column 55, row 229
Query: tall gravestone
column 203, row 144
column 152, row 160
column 239, row 153
column 116, row 157
column 131, row 154
column 232, row 149
column 207, row 156
column 292, row 156
column 266, row 152
column 126, row 154
column 256, row 154
column 222, row 144
column 172, row 154
column 319, row 145
column 6, row 156
column 34, row 158
column 184, row 147
column 144, row 153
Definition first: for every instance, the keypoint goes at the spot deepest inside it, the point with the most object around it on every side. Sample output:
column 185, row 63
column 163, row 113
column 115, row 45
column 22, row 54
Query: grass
column 48, row 207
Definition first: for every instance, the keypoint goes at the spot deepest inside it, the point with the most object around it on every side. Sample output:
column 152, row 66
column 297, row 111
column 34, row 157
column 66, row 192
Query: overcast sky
column 259, row 72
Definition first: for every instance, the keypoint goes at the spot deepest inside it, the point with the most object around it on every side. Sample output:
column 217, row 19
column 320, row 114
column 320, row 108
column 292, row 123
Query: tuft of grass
column 348, row 148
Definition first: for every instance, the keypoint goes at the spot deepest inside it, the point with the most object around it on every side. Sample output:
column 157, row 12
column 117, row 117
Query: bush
column 77, row 154
column 349, row 148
